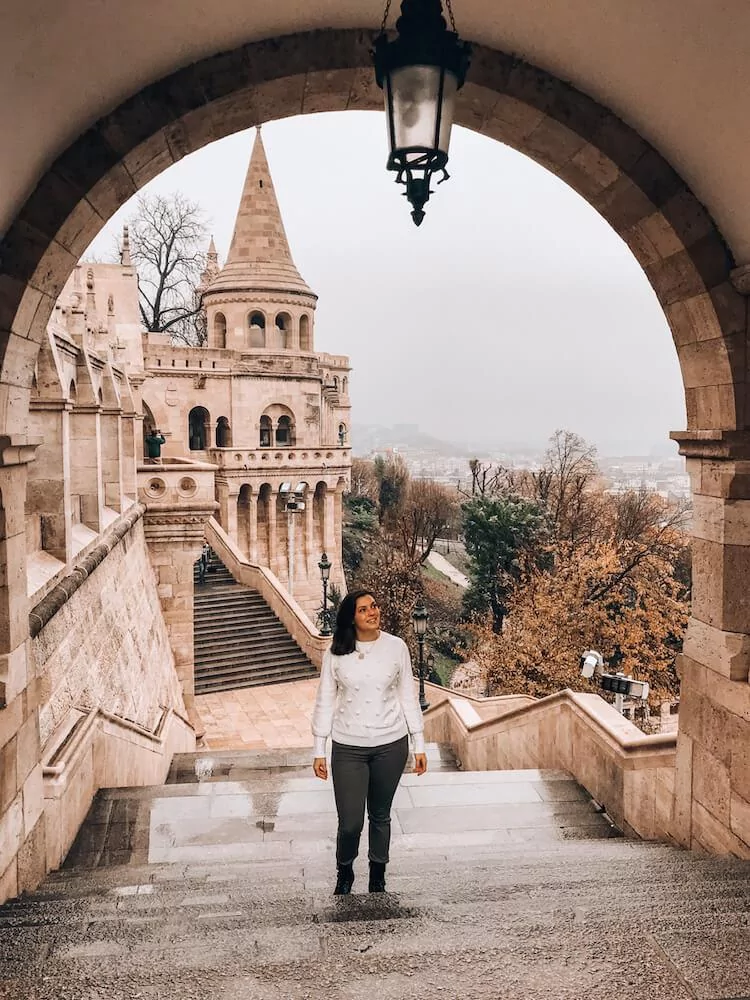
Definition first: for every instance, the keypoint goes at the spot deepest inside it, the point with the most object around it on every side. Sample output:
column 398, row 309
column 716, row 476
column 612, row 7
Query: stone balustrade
column 630, row 774
column 258, row 362
column 282, row 460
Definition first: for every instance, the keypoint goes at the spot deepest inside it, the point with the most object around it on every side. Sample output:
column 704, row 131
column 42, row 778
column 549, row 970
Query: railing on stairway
column 629, row 773
column 281, row 602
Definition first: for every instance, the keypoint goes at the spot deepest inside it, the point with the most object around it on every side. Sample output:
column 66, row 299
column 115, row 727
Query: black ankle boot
column 344, row 880
column 377, row 876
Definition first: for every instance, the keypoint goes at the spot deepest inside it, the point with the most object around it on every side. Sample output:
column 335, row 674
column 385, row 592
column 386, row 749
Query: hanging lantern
column 420, row 72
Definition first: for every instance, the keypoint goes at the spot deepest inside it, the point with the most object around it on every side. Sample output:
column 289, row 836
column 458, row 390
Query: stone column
column 132, row 436
column 86, row 465
column 712, row 778
column 273, row 555
column 112, row 450
column 22, row 829
column 231, row 527
column 310, row 556
column 252, row 528
column 329, row 525
column 48, row 487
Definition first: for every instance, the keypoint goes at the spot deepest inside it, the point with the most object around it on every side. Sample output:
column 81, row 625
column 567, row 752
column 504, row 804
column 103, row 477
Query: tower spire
column 259, row 254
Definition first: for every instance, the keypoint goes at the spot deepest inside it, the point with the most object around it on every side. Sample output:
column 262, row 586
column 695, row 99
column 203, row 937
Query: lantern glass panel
column 415, row 91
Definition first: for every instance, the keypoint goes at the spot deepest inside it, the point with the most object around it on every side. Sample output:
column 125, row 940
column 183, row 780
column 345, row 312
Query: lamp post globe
column 420, row 72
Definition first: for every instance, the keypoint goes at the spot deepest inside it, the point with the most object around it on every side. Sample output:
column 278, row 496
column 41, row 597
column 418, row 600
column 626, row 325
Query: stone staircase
column 501, row 885
column 239, row 641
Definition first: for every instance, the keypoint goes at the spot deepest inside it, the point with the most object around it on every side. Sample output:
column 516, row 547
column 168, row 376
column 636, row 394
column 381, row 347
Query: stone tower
column 259, row 299
column 258, row 402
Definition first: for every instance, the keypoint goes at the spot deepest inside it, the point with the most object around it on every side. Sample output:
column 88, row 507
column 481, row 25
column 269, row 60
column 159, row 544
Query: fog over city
column 514, row 309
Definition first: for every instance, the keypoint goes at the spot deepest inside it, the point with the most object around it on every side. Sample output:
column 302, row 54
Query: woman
column 367, row 703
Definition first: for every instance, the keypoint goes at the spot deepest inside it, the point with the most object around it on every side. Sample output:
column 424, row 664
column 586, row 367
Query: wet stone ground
column 501, row 885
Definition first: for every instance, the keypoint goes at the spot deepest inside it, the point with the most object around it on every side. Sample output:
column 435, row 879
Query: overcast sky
column 514, row 309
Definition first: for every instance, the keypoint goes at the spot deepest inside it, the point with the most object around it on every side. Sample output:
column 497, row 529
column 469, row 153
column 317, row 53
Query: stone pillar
column 273, row 555
column 132, row 436
column 86, row 468
column 22, row 829
column 48, row 487
column 712, row 778
column 175, row 534
column 310, row 556
column 112, row 449
column 329, row 525
column 252, row 528
column 231, row 525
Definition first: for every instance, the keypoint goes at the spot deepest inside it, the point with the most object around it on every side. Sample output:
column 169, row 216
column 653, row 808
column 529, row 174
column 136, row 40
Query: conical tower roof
column 259, row 259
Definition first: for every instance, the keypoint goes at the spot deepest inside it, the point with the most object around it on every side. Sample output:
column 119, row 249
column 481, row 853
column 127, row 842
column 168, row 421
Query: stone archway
column 586, row 145
column 581, row 141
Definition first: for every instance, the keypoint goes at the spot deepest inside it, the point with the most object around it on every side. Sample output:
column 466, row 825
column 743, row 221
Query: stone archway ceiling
column 586, row 144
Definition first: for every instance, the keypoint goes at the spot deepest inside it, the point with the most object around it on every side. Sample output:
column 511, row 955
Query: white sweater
column 368, row 698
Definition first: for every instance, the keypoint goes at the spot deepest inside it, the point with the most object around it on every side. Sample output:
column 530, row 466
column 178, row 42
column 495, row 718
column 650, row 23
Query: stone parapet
column 96, row 749
column 630, row 774
column 283, row 461
column 178, row 497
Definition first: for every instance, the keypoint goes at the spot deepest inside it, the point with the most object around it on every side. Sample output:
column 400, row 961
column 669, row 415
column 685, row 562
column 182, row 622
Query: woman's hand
column 420, row 763
column 320, row 768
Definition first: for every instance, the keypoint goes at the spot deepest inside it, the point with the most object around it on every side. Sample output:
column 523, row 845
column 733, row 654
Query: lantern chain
column 385, row 15
column 449, row 8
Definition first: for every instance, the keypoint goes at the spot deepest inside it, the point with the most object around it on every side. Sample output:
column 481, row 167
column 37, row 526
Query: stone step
column 222, row 619
column 215, row 684
column 238, row 640
column 263, row 655
column 501, row 885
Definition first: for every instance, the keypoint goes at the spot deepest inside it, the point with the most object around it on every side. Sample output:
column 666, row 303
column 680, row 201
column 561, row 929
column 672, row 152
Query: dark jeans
column 366, row 774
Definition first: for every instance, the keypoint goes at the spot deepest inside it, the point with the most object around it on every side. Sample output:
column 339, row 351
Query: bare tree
column 427, row 511
column 167, row 241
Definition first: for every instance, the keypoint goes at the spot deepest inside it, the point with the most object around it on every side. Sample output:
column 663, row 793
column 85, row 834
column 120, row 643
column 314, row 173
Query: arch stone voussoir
column 584, row 143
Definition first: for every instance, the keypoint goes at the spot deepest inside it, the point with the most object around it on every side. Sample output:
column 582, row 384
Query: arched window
column 266, row 428
column 305, row 342
column 220, row 330
column 149, row 423
column 284, row 432
column 284, row 326
column 198, row 421
column 345, row 385
column 336, row 383
column 223, row 433
column 342, row 435
column 256, row 323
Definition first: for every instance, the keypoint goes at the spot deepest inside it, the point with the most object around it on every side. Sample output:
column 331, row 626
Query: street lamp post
column 419, row 619
column 325, row 572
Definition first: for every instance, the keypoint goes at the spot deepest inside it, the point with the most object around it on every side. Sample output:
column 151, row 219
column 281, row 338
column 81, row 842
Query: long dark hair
column 344, row 636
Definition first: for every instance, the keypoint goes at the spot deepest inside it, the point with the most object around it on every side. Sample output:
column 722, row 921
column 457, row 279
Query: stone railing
column 282, row 460
column 629, row 773
column 94, row 749
column 281, row 602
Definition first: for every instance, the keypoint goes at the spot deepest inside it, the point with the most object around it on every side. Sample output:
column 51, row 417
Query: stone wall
column 107, row 647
